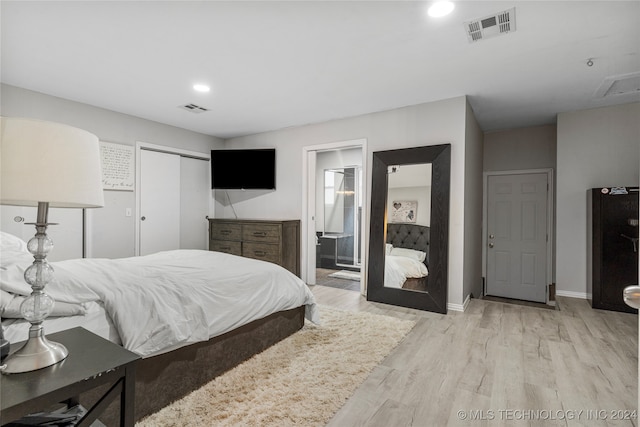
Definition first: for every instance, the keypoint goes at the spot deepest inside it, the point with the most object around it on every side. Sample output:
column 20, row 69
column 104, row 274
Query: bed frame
column 411, row 236
column 162, row 379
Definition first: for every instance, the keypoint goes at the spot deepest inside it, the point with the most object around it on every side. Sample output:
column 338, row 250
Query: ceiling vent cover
column 194, row 108
column 491, row 26
column 620, row 85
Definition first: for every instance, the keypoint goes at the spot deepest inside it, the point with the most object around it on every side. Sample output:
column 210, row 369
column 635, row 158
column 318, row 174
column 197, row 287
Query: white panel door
column 517, row 236
column 67, row 234
column 195, row 192
column 159, row 219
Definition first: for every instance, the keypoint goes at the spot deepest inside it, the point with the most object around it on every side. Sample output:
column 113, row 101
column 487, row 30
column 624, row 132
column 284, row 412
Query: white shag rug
column 302, row 380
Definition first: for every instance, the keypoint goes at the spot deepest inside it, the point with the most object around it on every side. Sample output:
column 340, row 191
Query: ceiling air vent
column 194, row 108
column 619, row 85
column 491, row 26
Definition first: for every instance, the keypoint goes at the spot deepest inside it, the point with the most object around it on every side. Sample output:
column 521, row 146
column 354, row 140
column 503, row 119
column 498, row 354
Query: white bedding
column 166, row 300
column 398, row 268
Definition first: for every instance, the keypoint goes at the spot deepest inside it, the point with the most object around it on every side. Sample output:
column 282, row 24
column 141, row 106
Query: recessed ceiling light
column 201, row 88
column 440, row 8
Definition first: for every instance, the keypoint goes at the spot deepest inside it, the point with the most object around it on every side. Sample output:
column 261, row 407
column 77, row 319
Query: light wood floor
column 498, row 364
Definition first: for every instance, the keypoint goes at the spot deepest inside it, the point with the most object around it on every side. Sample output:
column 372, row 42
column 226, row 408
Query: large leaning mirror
column 409, row 235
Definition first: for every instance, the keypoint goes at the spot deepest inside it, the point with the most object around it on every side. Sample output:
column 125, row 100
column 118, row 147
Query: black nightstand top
column 90, row 358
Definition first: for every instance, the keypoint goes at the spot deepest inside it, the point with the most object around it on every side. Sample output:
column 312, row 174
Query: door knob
column 143, row 218
column 490, row 245
column 631, row 296
column 491, row 236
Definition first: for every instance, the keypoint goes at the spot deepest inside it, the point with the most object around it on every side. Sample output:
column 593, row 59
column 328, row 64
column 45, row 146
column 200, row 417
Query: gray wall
column 524, row 148
column 596, row 148
column 112, row 233
column 474, row 148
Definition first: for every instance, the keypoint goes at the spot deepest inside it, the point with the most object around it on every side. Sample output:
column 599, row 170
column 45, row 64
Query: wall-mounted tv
column 243, row 169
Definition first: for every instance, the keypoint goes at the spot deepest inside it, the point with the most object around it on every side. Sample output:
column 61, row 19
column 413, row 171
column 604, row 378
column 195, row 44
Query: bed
column 406, row 256
column 190, row 314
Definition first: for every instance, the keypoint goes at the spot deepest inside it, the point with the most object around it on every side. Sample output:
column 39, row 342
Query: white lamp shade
column 49, row 162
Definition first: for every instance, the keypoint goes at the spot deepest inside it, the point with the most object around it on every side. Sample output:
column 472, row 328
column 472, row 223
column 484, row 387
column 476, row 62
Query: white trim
column 550, row 210
column 308, row 217
column 140, row 145
column 571, row 294
column 460, row 307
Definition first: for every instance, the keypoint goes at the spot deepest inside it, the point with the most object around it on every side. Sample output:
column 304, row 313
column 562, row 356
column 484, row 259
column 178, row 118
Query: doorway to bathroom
column 335, row 214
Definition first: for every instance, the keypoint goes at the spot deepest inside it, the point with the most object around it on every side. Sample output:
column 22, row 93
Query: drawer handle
column 260, row 233
column 225, row 248
column 225, row 231
column 259, row 253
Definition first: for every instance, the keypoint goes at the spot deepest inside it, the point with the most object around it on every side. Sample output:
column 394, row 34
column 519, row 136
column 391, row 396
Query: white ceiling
column 273, row 65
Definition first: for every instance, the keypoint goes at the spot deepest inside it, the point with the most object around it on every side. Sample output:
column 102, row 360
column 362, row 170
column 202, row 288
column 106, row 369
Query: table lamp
column 45, row 164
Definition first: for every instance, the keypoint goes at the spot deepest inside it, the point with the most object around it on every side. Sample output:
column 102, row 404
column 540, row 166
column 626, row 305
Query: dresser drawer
column 267, row 233
column 264, row 251
column 233, row 248
column 226, row 231
column 271, row 240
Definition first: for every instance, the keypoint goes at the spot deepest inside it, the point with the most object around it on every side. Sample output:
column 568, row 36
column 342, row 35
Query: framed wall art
column 404, row 211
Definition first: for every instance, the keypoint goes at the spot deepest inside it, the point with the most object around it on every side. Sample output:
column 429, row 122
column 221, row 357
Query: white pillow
column 411, row 268
column 409, row 253
column 10, row 307
column 10, row 243
column 387, row 249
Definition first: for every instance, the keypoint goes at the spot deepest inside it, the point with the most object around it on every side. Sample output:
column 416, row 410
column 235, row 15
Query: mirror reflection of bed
column 407, row 255
column 408, row 218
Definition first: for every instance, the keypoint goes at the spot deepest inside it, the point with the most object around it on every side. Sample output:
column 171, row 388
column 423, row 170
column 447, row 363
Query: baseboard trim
column 571, row 294
column 459, row 307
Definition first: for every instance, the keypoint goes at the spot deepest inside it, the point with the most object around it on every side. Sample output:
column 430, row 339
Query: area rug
column 302, row 380
column 345, row 274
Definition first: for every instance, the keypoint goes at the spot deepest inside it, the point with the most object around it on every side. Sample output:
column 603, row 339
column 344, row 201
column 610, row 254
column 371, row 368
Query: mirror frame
column 435, row 298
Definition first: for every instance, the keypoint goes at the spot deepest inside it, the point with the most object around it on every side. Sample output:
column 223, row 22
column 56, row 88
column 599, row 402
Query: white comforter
column 397, row 269
column 163, row 301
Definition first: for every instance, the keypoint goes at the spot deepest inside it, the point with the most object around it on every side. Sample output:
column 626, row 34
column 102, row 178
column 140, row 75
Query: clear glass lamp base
column 36, row 353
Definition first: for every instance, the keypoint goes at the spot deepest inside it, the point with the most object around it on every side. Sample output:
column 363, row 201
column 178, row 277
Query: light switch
column 127, row 212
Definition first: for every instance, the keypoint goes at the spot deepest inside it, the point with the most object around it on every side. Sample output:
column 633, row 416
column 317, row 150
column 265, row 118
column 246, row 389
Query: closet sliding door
column 195, row 192
column 174, row 201
column 159, row 216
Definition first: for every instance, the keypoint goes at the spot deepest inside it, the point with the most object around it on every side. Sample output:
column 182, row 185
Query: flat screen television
column 243, row 169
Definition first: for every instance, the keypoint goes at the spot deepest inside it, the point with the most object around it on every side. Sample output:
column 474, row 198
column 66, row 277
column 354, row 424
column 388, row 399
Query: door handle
column 490, row 245
column 143, row 218
column 631, row 296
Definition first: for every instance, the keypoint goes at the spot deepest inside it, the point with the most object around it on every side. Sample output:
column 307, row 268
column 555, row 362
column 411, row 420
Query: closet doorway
column 173, row 198
column 334, row 214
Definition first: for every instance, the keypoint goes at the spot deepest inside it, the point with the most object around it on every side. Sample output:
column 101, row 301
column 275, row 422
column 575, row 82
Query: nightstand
column 92, row 362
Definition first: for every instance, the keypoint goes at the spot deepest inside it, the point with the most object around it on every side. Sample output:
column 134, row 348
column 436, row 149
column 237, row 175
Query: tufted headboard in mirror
column 410, row 236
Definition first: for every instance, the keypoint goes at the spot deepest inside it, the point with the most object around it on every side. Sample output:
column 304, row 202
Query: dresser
column 276, row 241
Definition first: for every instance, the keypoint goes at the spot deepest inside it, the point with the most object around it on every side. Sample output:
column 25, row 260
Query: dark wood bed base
column 162, row 379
